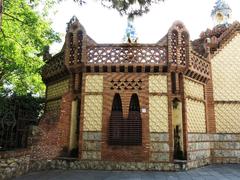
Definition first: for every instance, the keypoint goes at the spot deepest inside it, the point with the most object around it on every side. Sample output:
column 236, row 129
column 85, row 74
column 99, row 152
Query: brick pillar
column 211, row 123
column 184, row 113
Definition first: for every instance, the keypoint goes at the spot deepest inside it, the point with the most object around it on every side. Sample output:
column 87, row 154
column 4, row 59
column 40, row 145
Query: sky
column 107, row 26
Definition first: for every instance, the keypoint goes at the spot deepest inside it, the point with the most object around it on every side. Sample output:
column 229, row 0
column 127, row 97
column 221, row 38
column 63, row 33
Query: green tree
column 1, row 13
column 131, row 8
column 24, row 34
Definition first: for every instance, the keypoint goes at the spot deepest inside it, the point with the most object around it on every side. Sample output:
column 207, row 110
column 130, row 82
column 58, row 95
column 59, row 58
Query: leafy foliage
column 32, row 106
column 131, row 8
column 17, row 114
column 24, row 33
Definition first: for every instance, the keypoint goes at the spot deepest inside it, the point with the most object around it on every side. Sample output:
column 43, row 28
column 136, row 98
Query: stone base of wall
column 159, row 147
column 203, row 149
column 198, row 163
column 226, row 148
column 13, row 164
column 102, row 165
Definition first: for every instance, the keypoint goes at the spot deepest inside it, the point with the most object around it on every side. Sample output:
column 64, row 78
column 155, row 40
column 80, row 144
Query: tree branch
column 4, row 35
column 13, row 17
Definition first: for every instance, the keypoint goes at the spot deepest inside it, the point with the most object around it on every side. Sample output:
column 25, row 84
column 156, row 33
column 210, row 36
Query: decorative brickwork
column 94, row 83
column 54, row 68
column 131, row 152
column 132, row 104
column 93, row 113
column 199, row 65
column 103, row 54
column 157, row 84
column 71, row 48
column 54, row 94
column 225, row 72
column 211, row 121
column 57, row 90
column 79, row 50
column 184, row 48
column 196, row 116
column 121, row 84
column 158, row 113
column 178, row 44
column 174, row 44
column 51, row 140
column 227, row 117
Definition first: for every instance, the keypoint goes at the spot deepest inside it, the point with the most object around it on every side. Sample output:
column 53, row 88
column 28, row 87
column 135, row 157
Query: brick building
column 147, row 105
column 164, row 106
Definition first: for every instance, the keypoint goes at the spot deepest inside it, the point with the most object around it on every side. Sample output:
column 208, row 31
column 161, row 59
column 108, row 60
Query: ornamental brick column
column 210, row 114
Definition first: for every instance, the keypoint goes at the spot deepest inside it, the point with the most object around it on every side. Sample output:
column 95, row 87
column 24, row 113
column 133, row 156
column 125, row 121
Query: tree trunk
column 1, row 10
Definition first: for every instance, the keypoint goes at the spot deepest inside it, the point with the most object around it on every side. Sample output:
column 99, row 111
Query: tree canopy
column 131, row 8
column 25, row 32
column 23, row 35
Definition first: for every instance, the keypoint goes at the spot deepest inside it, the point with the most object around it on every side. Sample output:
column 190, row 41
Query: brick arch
column 115, row 122
column 134, row 122
column 125, row 152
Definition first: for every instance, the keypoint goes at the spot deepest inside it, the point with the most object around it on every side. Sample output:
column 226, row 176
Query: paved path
column 212, row 172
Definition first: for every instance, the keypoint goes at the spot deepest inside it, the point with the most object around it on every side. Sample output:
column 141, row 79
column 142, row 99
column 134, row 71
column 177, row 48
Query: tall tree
column 131, row 8
column 1, row 7
column 24, row 34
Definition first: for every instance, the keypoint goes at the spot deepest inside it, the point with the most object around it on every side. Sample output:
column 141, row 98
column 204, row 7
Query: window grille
column 15, row 119
column 125, row 131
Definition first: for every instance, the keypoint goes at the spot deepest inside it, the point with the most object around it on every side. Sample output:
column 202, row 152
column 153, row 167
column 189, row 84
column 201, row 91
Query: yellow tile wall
column 158, row 113
column 196, row 116
column 94, row 83
column 157, row 83
column 92, row 120
column 193, row 89
column 226, row 72
column 227, row 117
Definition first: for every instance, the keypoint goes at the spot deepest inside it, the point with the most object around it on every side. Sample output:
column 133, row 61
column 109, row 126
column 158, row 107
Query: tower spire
column 221, row 13
column 130, row 32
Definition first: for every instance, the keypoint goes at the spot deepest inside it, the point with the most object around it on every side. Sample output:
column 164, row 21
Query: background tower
column 130, row 35
column 221, row 13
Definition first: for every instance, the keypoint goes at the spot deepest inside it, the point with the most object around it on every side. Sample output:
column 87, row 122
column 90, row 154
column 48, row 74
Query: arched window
column 125, row 131
column 134, row 103
column 134, row 123
column 117, row 103
column 116, row 122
